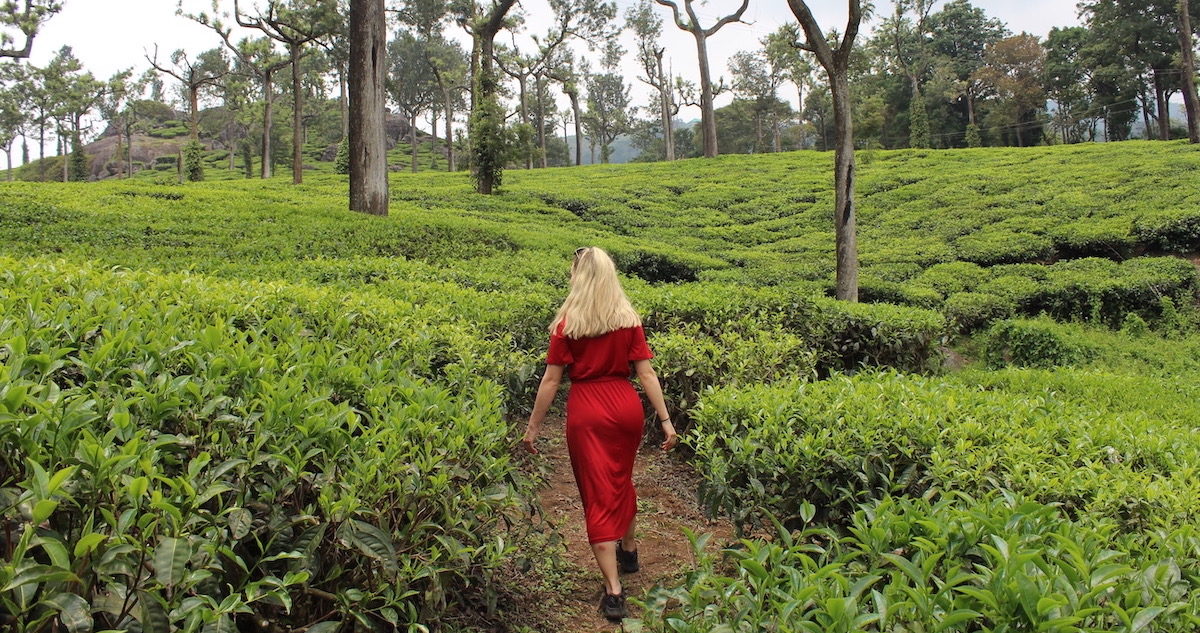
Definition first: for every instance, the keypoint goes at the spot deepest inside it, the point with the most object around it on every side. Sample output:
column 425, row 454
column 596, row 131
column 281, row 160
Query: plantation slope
column 979, row 234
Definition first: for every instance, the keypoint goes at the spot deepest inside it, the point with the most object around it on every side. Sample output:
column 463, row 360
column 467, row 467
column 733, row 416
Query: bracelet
column 666, row 421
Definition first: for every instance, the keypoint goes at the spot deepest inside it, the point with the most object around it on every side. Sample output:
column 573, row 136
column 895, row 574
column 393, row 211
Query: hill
column 237, row 402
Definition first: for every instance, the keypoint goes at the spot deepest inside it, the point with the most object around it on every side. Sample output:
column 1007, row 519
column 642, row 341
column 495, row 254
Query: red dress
column 604, row 424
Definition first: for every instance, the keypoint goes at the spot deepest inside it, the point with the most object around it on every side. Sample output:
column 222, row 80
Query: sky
column 112, row 35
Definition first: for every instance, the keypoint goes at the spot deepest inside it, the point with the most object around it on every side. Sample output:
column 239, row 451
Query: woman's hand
column 530, row 437
column 671, row 438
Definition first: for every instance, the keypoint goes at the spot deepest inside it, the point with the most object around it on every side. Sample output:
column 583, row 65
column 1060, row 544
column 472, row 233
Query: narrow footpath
column 666, row 504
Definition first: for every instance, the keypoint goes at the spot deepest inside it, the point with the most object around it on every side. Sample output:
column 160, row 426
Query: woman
column 595, row 337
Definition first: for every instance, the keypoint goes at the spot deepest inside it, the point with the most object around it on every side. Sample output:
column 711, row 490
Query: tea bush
column 996, row 562
column 835, row 443
column 182, row 452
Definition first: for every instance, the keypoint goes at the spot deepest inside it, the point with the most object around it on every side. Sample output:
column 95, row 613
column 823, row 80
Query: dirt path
column 666, row 504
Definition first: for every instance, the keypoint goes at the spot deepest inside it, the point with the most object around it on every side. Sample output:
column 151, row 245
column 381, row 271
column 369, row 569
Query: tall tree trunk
column 845, row 223
column 574, row 96
column 1164, row 108
column 541, row 120
column 194, row 104
column 708, row 119
column 1188, row 68
column 64, row 153
column 119, row 157
column 412, row 138
column 664, row 100
column 297, row 117
column 451, row 166
column 1145, row 112
column 8, row 151
column 368, row 145
column 268, row 123
column 42, row 150
column 777, row 132
column 344, row 102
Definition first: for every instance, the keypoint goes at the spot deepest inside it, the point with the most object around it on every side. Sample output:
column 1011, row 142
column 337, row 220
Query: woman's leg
column 606, row 558
column 629, row 541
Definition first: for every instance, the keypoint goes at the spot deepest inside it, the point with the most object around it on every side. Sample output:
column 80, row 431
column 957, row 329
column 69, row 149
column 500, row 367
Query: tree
column 115, row 109
column 834, row 57
column 448, row 62
column 572, row 73
column 608, row 110
column 1141, row 37
column 960, row 35
column 794, row 63
column 296, row 24
column 1014, row 69
column 647, row 28
column 708, row 121
column 196, row 78
column 910, row 42
column 27, row 18
column 757, row 79
column 368, row 138
column 410, row 82
column 487, row 116
column 12, row 120
column 258, row 58
column 1067, row 79
column 1187, row 67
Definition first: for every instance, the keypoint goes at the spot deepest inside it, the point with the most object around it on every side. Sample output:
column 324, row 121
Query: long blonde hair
column 596, row 304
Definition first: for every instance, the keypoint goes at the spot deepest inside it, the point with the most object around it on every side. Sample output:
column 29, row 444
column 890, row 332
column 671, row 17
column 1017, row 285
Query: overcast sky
column 111, row 35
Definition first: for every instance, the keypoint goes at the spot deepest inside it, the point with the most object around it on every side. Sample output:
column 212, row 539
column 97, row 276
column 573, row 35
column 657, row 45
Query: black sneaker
column 627, row 562
column 613, row 606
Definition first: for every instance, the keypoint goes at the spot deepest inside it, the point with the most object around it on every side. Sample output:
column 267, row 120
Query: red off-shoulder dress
column 604, row 424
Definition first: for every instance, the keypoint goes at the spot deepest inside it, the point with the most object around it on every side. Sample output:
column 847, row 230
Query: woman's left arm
column 653, row 389
column 541, row 405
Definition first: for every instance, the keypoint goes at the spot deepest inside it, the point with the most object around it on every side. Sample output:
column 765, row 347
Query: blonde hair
column 596, row 304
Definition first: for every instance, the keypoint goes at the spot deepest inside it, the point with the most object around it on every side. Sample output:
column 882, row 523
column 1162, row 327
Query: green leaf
column 38, row 574
column 170, row 560
column 1144, row 618
column 88, row 543
column 372, row 541
column 327, row 626
column 42, row 510
column 221, row 625
column 73, row 611
column 153, row 616
column 240, row 521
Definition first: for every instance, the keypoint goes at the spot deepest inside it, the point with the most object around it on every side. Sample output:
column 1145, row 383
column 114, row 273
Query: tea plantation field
column 235, row 405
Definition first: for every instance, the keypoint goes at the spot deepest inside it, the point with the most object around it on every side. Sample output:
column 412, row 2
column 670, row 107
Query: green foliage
column 1032, row 343
column 489, row 143
column 193, row 161
column 242, row 441
column 997, row 562
column 918, row 134
column 974, row 139
column 341, row 163
column 838, row 442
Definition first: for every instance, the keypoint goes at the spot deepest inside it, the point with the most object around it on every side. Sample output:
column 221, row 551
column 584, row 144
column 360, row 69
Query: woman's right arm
column 650, row 384
column 547, row 389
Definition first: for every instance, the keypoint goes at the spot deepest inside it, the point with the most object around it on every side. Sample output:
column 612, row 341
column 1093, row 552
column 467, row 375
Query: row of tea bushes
column 837, row 442
column 178, row 453
column 1097, row 290
column 998, row 562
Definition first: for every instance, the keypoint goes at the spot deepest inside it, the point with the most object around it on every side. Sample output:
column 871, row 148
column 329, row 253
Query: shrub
column 193, row 161
column 1175, row 231
column 969, row 311
column 991, row 247
column 1032, row 343
column 341, row 162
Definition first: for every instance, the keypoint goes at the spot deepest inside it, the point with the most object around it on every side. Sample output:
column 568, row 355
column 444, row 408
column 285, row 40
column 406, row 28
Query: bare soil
column 562, row 593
